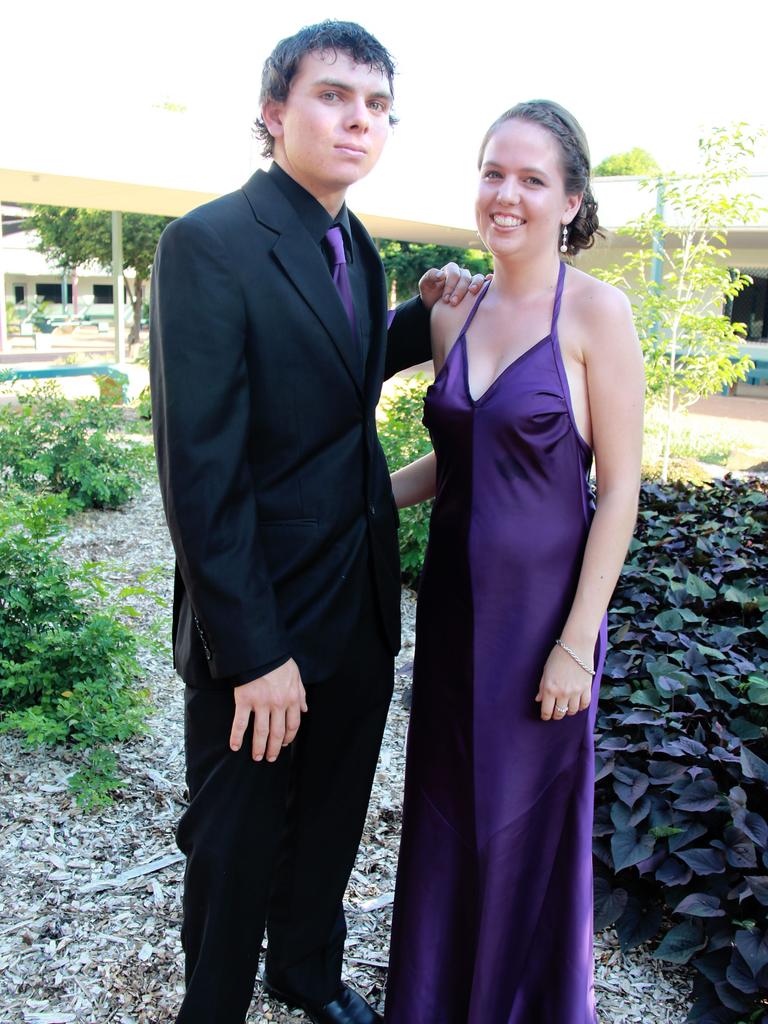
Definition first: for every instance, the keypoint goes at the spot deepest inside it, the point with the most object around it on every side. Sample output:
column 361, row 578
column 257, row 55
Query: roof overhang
column 619, row 199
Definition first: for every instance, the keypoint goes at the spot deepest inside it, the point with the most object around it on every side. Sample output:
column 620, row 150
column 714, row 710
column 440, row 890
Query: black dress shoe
column 347, row 1007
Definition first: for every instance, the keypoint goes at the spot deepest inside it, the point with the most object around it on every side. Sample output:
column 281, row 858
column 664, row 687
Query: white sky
column 635, row 74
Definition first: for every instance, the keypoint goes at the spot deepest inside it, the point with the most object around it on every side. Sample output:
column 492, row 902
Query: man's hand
column 276, row 701
column 452, row 282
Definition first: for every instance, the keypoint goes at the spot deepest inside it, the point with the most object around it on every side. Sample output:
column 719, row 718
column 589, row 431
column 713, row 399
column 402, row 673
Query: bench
column 758, row 374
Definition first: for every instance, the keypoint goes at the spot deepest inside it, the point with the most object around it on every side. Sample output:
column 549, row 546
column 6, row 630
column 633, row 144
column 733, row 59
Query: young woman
column 493, row 910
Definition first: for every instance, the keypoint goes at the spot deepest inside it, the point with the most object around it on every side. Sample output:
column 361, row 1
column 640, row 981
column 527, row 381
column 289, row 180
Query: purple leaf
column 628, row 849
column 637, row 924
column 700, row 904
column 631, row 793
column 700, row 795
column 758, row 886
column 666, row 684
column 740, row 976
column 681, row 942
column 739, row 849
column 756, row 828
column 703, row 860
column 692, row 747
column 603, row 767
column 754, row 948
column 641, row 718
column 722, row 755
column 664, row 772
column 609, row 903
column 679, row 841
column 649, row 865
column 753, row 766
column 612, row 743
column 672, row 872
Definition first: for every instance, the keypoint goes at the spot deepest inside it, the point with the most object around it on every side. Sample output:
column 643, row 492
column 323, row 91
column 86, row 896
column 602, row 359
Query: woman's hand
column 565, row 688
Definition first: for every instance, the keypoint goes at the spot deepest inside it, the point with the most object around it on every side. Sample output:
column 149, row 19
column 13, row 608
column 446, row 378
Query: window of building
column 52, row 292
column 102, row 294
column 750, row 306
column 19, row 293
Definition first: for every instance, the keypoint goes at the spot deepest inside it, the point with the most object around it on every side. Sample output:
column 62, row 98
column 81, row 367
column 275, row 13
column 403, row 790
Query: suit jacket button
column 372, row 509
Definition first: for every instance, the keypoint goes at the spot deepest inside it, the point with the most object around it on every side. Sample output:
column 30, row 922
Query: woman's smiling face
column 521, row 202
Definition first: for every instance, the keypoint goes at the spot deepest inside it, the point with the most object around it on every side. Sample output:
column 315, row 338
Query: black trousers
column 275, row 843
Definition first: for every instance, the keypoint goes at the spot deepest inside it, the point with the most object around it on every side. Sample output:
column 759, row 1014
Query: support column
column 4, row 345
column 657, row 267
column 118, row 300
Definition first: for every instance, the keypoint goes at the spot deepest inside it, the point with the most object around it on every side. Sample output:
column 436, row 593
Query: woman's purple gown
column 493, row 909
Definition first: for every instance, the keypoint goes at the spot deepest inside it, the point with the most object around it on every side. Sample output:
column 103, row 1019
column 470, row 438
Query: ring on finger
column 562, row 710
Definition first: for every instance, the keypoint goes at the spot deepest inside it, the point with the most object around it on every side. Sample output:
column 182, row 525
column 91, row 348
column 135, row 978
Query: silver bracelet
column 575, row 656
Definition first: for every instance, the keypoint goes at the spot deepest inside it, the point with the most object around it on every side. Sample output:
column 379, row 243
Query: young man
column 269, row 346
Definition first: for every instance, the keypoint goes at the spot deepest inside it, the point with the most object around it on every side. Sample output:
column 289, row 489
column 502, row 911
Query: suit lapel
column 378, row 307
column 302, row 261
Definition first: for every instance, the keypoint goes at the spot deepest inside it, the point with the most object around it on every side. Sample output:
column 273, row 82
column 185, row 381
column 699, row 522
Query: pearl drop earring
column 564, row 246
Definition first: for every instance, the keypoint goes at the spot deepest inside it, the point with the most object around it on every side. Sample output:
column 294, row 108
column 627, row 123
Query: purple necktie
column 340, row 274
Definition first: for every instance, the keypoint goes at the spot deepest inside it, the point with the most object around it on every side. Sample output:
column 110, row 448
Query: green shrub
column 404, row 438
column 72, row 448
column 686, row 471
column 68, row 661
column 682, row 801
column 144, row 404
column 689, row 439
column 112, row 390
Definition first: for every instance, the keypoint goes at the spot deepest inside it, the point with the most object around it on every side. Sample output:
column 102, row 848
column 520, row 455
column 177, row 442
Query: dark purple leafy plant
column 681, row 816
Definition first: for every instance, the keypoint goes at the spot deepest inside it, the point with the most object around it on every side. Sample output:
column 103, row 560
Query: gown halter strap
column 555, row 308
column 558, row 299
column 478, row 300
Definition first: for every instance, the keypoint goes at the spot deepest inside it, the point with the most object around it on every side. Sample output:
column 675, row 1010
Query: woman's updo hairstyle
column 575, row 159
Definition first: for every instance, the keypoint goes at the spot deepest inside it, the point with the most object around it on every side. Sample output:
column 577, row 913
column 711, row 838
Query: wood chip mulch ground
column 90, row 902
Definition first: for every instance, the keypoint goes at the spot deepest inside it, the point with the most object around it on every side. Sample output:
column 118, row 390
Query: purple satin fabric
column 493, row 909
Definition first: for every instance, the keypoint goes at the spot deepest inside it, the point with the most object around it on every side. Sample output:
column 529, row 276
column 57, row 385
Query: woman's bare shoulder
column 447, row 321
column 601, row 312
column 446, row 316
column 591, row 297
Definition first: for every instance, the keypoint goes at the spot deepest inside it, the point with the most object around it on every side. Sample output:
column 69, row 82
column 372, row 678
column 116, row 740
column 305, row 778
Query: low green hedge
column 76, row 448
column 69, row 671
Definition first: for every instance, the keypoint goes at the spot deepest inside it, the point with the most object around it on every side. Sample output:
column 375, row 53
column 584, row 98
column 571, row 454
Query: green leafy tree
column 680, row 276
column 634, row 161
column 72, row 238
column 405, row 262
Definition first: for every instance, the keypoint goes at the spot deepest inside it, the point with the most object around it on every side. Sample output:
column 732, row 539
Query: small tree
column 634, row 161
column 681, row 278
column 72, row 238
column 405, row 262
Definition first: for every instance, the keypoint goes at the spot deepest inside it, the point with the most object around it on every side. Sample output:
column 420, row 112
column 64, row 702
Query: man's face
column 331, row 129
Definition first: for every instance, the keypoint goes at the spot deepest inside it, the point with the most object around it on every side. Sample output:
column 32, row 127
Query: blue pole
column 658, row 241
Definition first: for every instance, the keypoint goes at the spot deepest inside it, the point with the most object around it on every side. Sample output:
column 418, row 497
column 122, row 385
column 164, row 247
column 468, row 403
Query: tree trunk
column 137, row 302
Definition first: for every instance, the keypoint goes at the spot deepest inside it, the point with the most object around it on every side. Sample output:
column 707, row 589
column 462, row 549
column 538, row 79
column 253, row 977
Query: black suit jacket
column 275, row 486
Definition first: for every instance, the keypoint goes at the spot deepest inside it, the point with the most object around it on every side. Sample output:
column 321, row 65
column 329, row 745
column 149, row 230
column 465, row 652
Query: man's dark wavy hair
column 326, row 37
